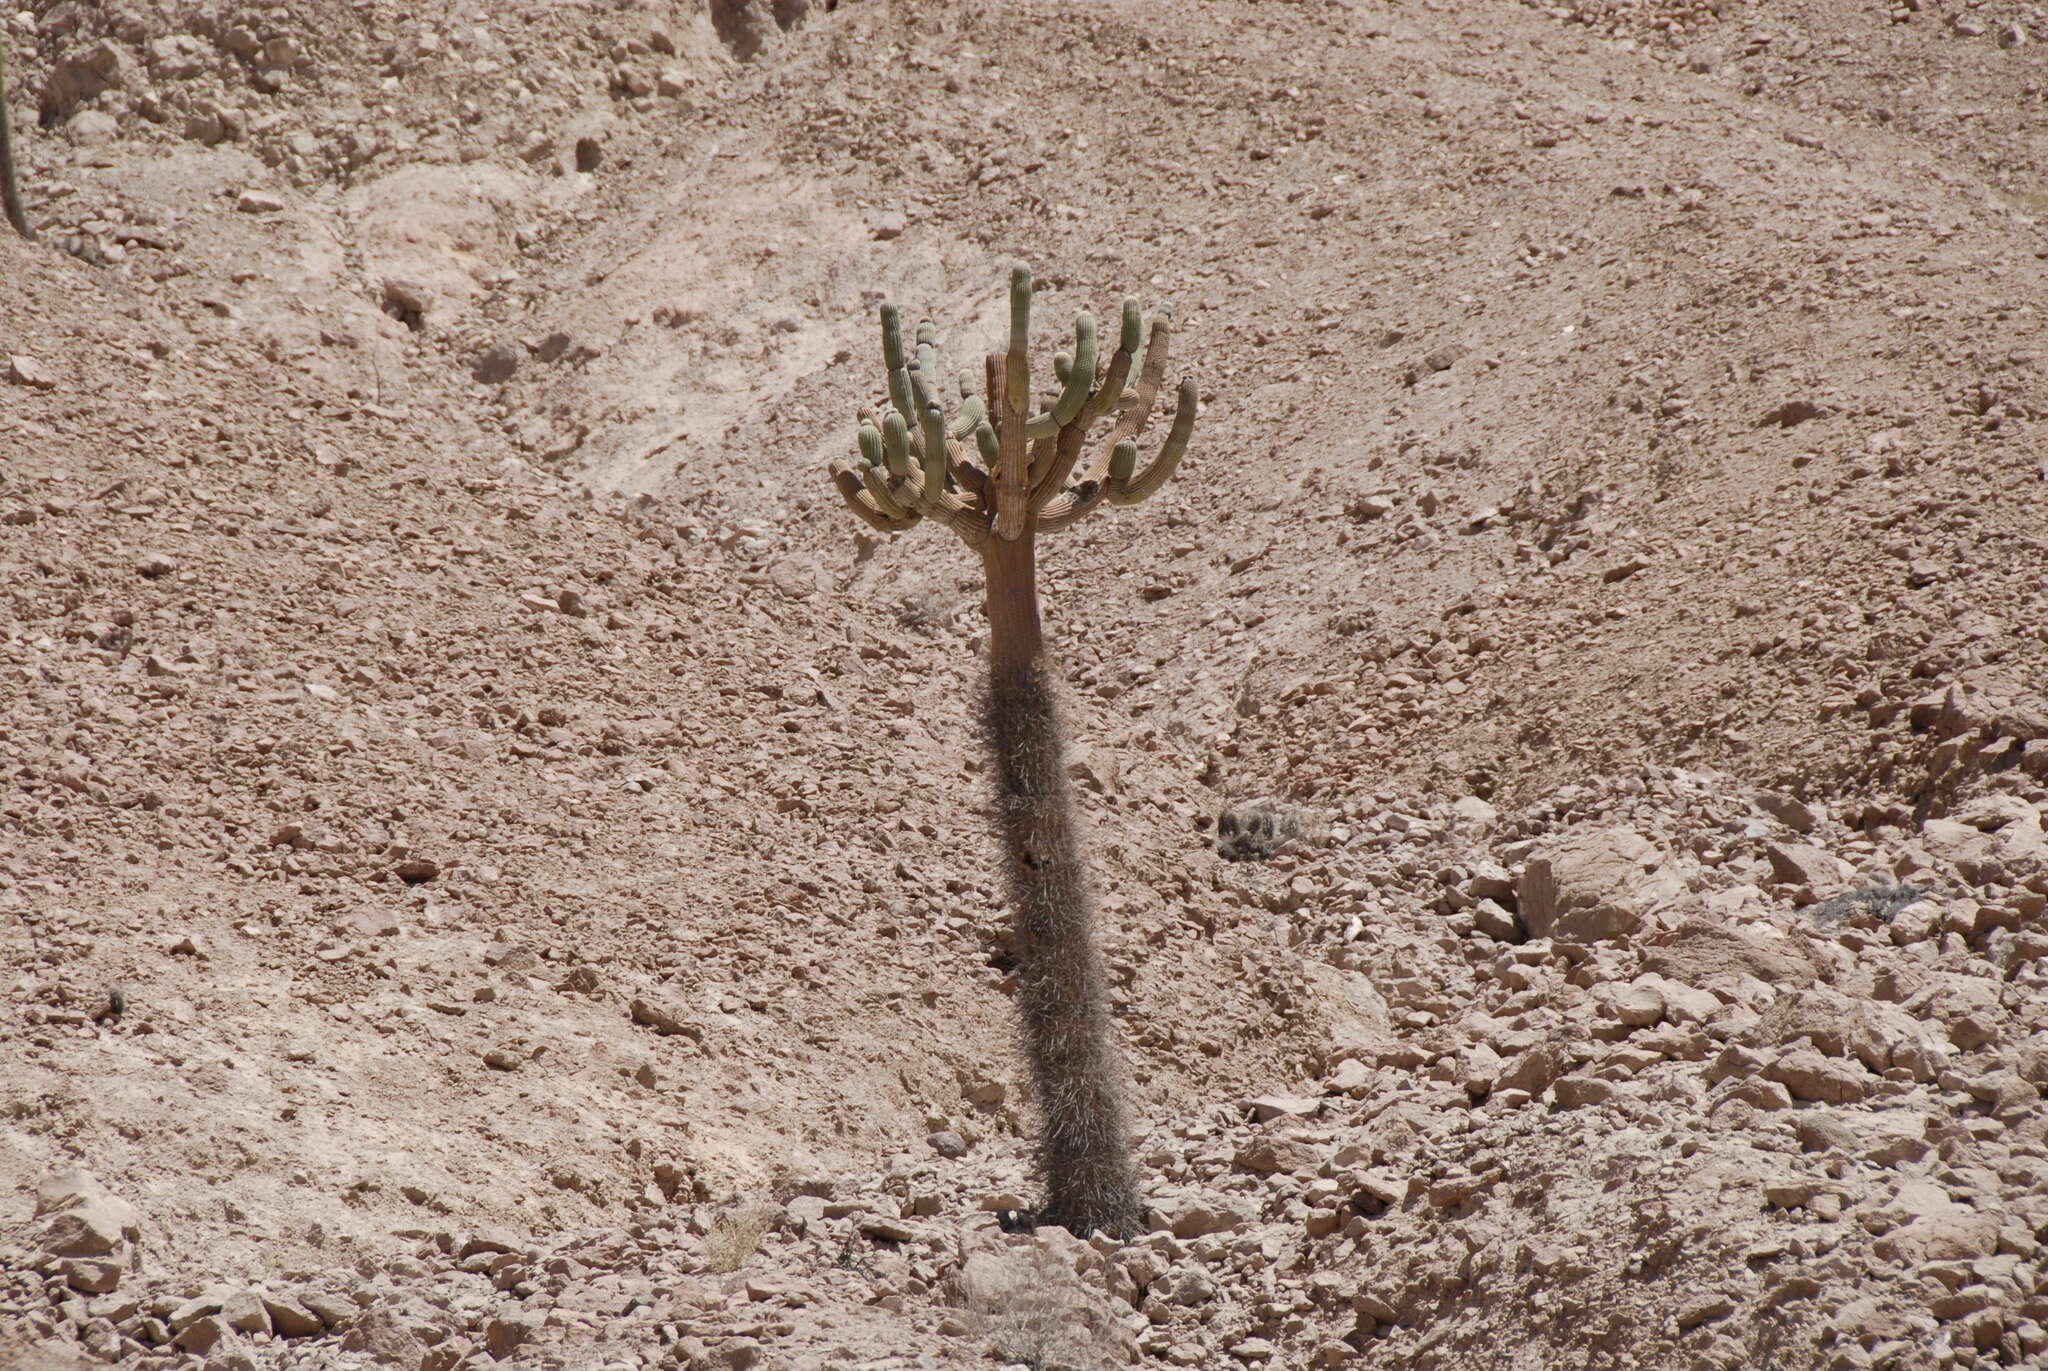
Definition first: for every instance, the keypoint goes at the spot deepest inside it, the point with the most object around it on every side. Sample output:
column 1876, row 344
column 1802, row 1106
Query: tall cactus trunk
column 10, row 189
column 1062, row 998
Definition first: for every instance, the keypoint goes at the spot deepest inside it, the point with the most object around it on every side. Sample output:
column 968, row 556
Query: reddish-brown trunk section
column 1062, row 993
column 1014, row 638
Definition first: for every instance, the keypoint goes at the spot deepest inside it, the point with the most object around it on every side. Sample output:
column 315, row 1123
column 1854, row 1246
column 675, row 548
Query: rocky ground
column 496, row 864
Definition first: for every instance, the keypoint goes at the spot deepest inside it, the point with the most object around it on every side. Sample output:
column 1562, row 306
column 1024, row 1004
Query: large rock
column 84, row 1218
column 1595, row 885
column 1934, row 1227
column 1871, row 1031
column 1810, row 873
column 1709, row 955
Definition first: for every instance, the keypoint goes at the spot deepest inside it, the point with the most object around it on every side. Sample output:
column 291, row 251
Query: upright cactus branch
column 1024, row 474
column 10, row 189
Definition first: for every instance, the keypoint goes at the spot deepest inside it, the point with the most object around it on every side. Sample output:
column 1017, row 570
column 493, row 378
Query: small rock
column 492, row 1240
column 1576, row 1092
column 408, row 298
column 27, row 371
column 91, row 1276
column 1814, row 873
column 664, row 1020
column 505, row 1333
column 947, row 1144
column 332, row 1310
column 1495, row 922
column 91, row 128
column 1273, row 1155
column 243, row 1311
column 496, row 364
column 1638, row 1004
column 1705, row 1310
column 886, row 1229
column 290, row 1319
column 1787, row 811
column 1810, row 1076
column 1199, row 1221
column 888, row 225
column 201, row 1335
column 258, row 202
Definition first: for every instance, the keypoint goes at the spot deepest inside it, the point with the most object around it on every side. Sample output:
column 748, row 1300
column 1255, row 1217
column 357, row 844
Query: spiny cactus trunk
column 1084, row 1143
column 10, row 189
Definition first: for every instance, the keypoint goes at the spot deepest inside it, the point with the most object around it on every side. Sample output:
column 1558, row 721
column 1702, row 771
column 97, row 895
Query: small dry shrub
column 734, row 1235
column 1262, row 829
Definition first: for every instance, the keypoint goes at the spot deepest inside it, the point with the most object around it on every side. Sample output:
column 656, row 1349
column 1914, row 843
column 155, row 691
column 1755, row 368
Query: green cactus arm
column 1041, row 425
column 934, row 448
column 1017, row 361
column 1130, row 421
column 988, row 445
column 894, row 364
column 870, row 445
column 1130, row 341
column 896, row 444
column 1133, row 489
column 903, row 394
column 1066, row 451
column 972, row 410
column 857, row 499
column 928, row 350
column 1123, row 460
column 875, row 480
column 921, row 397
column 1080, row 376
column 948, row 507
column 893, row 355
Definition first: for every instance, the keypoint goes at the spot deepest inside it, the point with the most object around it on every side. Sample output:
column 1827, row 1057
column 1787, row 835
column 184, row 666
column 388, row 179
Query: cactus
column 998, row 474
column 10, row 189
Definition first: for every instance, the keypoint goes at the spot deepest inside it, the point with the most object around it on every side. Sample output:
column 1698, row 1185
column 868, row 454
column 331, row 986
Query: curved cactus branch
column 851, row 489
column 1080, row 372
column 1133, row 489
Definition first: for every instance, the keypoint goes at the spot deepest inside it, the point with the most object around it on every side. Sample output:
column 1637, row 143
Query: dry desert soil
column 496, row 865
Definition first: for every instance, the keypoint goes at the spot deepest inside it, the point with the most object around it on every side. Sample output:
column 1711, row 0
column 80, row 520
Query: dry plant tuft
column 735, row 1235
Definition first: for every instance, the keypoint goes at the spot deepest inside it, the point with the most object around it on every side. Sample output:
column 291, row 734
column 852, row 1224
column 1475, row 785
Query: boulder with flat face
column 1595, row 885
column 82, row 1218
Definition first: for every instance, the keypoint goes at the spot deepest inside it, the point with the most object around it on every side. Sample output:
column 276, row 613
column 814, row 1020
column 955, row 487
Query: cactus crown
column 1023, row 470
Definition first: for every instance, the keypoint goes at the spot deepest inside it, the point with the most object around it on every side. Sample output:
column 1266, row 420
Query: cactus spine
column 1022, row 475
column 10, row 189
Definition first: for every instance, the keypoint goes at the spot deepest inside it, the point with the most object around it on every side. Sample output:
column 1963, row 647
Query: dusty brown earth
column 494, row 865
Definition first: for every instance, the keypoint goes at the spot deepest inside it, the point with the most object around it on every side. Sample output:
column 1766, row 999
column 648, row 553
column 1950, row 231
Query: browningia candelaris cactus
column 1000, row 471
